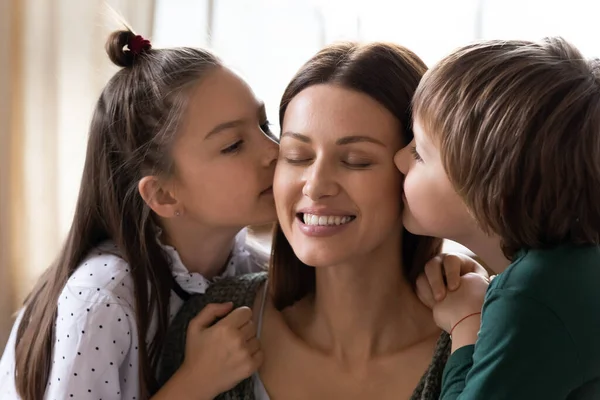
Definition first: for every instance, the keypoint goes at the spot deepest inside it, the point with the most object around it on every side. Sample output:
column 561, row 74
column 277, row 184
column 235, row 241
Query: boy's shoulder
column 543, row 269
column 556, row 287
column 563, row 280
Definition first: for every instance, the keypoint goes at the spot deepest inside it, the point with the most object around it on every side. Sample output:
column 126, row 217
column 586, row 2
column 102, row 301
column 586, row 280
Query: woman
column 340, row 300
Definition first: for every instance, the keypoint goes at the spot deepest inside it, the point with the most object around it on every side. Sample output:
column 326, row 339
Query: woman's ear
column 159, row 198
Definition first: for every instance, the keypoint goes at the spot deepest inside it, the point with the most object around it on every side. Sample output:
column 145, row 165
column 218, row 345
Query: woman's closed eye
column 296, row 159
column 349, row 163
column 357, row 163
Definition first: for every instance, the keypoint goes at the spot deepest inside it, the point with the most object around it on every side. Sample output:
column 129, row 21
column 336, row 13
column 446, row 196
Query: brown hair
column 518, row 124
column 389, row 74
column 132, row 128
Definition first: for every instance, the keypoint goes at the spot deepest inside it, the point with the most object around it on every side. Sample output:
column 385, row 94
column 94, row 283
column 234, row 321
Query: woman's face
column 225, row 156
column 337, row 190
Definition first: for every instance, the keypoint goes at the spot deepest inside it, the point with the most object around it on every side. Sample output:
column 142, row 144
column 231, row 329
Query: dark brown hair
column 389, row 74
column 518, row 125
column 133, row 125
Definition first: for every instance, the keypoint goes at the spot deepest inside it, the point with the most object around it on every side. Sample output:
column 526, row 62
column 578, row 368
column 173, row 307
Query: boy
column 506, row 161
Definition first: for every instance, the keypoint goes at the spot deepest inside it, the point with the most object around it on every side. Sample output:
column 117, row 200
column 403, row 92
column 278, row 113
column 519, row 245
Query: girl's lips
column 268, row 191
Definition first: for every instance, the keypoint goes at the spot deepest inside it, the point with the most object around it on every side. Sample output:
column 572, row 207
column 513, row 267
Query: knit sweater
column 242, row 291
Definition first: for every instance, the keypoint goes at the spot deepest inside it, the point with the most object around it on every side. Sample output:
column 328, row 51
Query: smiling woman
column 342, row 261
column 340, row 298
column 348, row 112
column 330, row 171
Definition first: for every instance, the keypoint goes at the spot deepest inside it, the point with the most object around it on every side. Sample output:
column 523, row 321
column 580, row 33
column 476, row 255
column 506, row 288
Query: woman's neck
column 361, row 310
column 201, row 250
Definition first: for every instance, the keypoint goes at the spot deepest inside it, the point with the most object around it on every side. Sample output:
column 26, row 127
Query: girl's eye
column 415, row 154
column 266, row 128
column 234, row 148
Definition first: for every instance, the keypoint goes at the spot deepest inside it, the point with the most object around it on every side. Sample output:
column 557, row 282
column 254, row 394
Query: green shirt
column 540, row 332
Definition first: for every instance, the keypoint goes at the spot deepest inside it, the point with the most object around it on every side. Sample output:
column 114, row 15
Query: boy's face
column 431, row 205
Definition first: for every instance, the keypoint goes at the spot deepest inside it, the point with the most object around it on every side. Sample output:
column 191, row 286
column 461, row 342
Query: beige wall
column 52, row 68
column 8, row 78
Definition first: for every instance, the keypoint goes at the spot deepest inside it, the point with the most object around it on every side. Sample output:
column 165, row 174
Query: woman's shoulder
column 242, row 290
column 430, row 385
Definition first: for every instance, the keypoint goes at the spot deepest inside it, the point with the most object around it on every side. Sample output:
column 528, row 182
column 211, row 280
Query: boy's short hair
column 518, row 127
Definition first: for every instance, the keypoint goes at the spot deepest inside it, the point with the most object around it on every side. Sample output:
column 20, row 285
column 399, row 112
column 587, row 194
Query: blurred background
column 53, row 67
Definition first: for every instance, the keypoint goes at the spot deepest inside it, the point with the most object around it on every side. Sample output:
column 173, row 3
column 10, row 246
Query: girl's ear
column 158, row 197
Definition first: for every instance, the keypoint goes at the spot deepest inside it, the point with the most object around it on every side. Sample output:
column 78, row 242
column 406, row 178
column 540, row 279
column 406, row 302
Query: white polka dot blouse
column 95, row 352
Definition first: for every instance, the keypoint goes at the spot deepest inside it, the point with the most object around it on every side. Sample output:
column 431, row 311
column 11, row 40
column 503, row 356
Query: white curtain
column 52, row 69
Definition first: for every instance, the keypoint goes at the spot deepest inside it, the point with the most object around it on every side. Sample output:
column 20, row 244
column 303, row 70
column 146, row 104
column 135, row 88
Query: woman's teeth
column 325, row 220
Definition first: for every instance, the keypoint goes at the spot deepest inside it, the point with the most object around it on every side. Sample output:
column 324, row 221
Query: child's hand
column 431, row 286
column 465, row 301
column 218, row 357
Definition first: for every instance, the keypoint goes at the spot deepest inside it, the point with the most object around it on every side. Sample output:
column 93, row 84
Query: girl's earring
column 177, row 213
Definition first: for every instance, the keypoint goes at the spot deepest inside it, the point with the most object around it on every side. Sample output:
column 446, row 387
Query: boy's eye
column 415, row 154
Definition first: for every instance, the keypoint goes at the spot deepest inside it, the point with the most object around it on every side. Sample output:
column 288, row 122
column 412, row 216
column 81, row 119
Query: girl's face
column 337, row 190
column 225, row 155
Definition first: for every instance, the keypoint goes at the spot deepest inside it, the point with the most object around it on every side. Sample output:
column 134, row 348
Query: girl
column 179, row 160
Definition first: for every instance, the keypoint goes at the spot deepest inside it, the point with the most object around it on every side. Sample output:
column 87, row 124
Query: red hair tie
column 138, row 44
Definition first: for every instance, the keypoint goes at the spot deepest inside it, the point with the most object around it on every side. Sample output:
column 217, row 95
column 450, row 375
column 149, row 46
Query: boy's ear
column 158, row 197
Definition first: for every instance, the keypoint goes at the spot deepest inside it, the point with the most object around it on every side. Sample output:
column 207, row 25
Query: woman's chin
column 323, row 259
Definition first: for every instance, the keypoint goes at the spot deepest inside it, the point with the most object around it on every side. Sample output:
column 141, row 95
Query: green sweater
column 540, row 332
